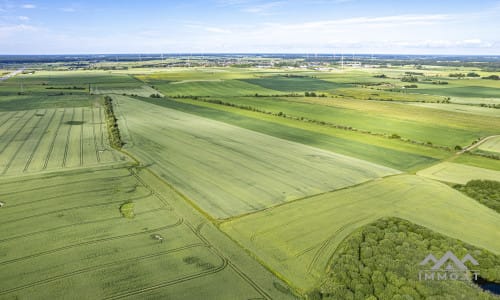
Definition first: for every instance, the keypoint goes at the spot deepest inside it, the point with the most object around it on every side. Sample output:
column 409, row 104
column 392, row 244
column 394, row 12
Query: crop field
column 51, row 139
column 459, row 108
column 416, row 123
column 409, row 122
column 65, row 230
column 253, row 171
column 389, row 152
column 232, row 182
column 458, row 173
column 212, row 88
column 298, row 239
column 492, row 145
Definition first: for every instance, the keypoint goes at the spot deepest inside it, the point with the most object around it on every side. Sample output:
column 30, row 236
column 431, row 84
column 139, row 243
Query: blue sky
column 294, row 26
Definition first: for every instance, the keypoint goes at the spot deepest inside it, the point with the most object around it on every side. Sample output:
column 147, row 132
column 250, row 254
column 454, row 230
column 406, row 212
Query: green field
column 492, row 145
column 458, row 173
column 389, row 152
column 298, row 239
column 232, row 170
column 99, row 253
column 233, row 184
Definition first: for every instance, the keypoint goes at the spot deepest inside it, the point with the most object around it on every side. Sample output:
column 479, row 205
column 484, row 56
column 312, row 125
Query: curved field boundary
column 217, row 269
column 177, row 223
column 81, row 271
column 73, row 225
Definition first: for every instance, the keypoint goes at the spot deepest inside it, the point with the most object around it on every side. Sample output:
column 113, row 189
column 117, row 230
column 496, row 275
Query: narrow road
column 468, row 148
column 11, row 74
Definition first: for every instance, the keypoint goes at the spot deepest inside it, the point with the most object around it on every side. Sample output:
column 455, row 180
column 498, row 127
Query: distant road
column 11, row 74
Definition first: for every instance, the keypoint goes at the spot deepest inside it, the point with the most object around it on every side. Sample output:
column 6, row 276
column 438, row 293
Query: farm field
column 52, row 139
column 297, row 240
column 389, row 152
column 233, row 182
column 467, row 109
column 492, row 145
column 98, row 252
column 143, row 91
column 254, row 171
column 415, row 123
column 458, row 173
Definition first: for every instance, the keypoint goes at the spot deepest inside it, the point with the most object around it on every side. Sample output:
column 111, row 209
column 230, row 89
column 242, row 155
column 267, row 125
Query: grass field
column 458, row 173
column 297, row 240
column 232, row 170
column 63, row 237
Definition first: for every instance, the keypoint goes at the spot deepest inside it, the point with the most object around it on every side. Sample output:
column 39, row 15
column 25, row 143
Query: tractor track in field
column 90, row 269
column 175, row 281
column 75, row 224
column 10, row 118
column 249, row 281
column 116, row 178
column 51, row 147
column 17, row 132
column 81, row 137
column 95, row 137
column 30, row 158
column 70, row 208
column 68, row 136
column 177, row 223
column 325, row 243
column 59, row 196
column 11, row 160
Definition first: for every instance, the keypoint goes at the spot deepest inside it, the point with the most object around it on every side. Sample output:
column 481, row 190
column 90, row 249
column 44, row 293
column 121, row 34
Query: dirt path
column 11, row 74
column 468, row 148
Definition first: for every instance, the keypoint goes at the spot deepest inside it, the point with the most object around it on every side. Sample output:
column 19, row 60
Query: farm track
column 68, row 136
column 28, row 162
column 116, row 178
column 12, row 115
column 197, row 232
column 71, row 208
column 73, row 225
column 175, row 281
column 6, row 144
column 51, row 147
column 43, row 144
column 177, row 223
column 325, row 243
column 81, row 271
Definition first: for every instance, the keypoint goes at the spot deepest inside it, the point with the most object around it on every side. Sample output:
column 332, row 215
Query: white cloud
column 262, row 8
column 28, row 6
column 23, row 18
column 9, row 30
